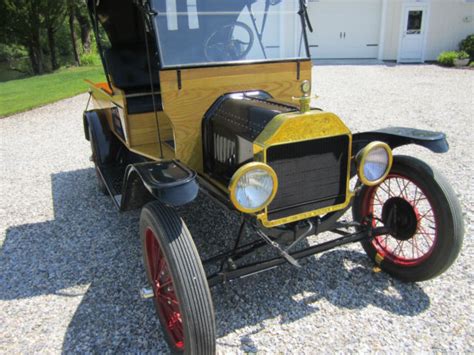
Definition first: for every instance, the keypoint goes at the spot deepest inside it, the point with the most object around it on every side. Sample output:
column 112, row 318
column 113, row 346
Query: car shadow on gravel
column 343, row 277
column 89, row 252
column 92, row 253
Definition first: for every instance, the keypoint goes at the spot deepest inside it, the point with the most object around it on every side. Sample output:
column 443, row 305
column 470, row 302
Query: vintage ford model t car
column 214, row 95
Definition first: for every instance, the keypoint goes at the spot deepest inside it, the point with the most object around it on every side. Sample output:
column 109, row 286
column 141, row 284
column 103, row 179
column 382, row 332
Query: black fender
column 169, row 182
column 106, row 144
column 398, row 136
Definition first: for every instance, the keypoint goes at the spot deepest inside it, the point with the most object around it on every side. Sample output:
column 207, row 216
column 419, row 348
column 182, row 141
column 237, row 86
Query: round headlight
column 253, row 187
column 374, row 163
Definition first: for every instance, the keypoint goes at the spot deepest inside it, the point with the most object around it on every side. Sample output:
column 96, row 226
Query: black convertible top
column 121, row 20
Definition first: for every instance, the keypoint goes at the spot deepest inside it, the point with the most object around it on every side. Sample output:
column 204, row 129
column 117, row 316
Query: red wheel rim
column 163, row 288
column 416, row 249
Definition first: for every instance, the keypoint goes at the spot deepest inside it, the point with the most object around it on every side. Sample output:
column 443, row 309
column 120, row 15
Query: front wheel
column 419, row 206
column 175, row 272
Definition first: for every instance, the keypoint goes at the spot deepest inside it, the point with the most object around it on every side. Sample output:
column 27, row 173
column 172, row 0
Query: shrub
column 14, row 58
column 467, row 45
column 463, row 55
column 89, row 59
column 11, row 52
column 447, row 58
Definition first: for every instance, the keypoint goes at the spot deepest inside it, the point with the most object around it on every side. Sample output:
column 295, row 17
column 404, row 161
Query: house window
column 415, row 19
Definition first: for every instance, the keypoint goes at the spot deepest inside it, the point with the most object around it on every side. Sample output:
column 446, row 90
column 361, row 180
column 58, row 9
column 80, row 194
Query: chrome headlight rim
column 362, row 157
column 240, row 173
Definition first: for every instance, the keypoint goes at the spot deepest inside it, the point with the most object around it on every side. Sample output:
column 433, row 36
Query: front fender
column 399, row 136
column 169, row 182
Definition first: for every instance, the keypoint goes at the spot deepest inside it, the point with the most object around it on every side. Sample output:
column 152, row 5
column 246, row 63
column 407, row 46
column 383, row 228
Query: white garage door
column 345, row 28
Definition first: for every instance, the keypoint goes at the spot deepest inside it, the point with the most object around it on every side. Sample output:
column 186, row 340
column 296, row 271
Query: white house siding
column 448, row 26
column 449, row 21
column 392, row 23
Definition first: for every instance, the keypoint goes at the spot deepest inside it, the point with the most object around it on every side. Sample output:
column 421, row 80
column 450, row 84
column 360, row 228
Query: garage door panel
column 345, row 29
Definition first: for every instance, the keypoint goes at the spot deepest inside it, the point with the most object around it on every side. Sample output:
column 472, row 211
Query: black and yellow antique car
column 214, row 96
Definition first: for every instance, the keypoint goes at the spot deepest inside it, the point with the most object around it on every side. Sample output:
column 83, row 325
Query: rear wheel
column 422, row 210
column 94, row 157
column 174, row 269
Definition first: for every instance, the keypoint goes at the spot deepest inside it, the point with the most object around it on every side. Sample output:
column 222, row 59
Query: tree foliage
column 39, row 26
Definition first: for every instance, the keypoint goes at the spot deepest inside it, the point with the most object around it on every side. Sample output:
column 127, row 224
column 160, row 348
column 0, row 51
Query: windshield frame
column 300, row 13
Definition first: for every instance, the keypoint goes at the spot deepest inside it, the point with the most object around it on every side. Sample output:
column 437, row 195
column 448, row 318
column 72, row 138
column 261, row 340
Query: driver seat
column 128, row 69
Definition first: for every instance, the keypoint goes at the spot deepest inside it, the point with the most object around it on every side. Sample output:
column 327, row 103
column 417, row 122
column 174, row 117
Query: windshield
column 206, row 32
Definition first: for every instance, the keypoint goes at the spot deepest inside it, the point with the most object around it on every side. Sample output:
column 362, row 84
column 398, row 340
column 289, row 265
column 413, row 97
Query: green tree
column 46, row 29
column 54, row 13
column 71, row 8
column 22, row 23
column 82, row 17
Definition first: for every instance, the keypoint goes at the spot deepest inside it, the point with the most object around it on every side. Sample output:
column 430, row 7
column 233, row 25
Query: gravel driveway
column 71, row 267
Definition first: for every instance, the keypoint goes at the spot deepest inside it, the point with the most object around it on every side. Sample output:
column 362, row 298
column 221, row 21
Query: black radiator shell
column 311, row 175
column 231, row 126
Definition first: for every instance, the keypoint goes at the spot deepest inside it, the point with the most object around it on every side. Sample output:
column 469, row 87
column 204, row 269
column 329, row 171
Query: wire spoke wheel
column 163, row 288
column 415, row 223
column 423, row 215
column 175, row 272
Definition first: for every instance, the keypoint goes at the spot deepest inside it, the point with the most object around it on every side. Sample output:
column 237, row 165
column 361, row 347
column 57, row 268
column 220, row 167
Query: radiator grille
column 311, row 175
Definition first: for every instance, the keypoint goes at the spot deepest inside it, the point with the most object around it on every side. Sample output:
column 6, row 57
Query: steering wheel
column 222, row 45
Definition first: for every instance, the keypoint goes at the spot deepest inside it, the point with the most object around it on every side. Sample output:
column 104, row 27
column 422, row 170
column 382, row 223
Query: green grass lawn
column 24, row 94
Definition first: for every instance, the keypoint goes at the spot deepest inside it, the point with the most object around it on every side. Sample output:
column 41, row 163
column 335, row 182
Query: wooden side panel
column 202, row 86
column 143, row 128
column 104, row 99
column 152, row 151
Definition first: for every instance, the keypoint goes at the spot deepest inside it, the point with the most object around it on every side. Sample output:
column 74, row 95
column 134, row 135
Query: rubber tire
column 187, row 273
column 447, row 211
column 99, row 183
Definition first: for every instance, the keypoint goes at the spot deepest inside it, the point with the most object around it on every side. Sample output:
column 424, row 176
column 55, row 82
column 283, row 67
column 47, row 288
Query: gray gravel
column 70, row 265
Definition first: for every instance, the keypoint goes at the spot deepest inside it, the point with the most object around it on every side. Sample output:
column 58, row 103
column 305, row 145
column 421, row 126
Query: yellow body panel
column 184, row 108
column 200, row 87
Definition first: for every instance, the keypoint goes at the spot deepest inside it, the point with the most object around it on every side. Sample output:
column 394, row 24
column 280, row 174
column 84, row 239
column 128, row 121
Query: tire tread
column 192, row 283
